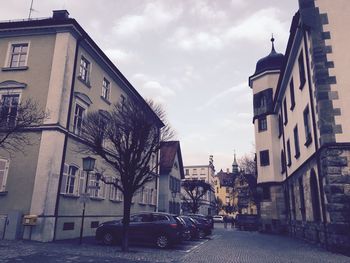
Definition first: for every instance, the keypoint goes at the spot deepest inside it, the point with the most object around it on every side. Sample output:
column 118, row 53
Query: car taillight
column 173, row 225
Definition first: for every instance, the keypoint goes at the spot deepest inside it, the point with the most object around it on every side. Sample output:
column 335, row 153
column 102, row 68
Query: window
column 263, row 101
column 307, row 128
column 264, row 158
column 78, row 119
column 194, row 171
column 96, row 187
column 296, row 142
column 262, row 123
column 301, row 70
column 280, row 126
column 4, row 167
column 18, row 55
column 94, row 224
column 289, row 155
column 285, row 111
column 292, row 95
column 187, row 171
column 72, row 180
column 293, row 201
column 84, row 70
column 283, row 162
column 114, row 193
column 105, row 89
column 8, row 113
column 68, row 226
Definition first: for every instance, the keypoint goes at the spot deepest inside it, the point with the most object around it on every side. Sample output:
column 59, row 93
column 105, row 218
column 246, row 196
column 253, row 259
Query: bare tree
column 247, row 163
column 195, row 190
column 15, row 121
column 128, row 139
column 218, row 204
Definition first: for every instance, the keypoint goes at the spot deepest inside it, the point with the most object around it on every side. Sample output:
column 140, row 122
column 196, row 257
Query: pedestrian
column 225, row 221
column 232, row 222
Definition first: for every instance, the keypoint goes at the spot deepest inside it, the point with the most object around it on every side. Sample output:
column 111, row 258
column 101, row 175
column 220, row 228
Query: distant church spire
column 234, row 164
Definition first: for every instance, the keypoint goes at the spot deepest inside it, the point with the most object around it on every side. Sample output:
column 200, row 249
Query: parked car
column 185, row 228
column 192, row 226
column 247, row 222
column 203, row 224
column 161, row 229
column 208, row 218
column 218, row 219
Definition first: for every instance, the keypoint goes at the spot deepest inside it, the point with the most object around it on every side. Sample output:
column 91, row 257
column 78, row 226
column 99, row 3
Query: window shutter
column 4, row 167
column 81, row 182
column 64, row 178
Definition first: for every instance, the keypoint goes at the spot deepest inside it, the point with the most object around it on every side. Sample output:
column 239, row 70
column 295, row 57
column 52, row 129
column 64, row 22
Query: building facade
column 170, row 176
column 302, row 128
column 205, row 173
column 54, row 62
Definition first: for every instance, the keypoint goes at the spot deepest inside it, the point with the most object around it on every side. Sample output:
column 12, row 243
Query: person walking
column 232, row 222
column 225, row 221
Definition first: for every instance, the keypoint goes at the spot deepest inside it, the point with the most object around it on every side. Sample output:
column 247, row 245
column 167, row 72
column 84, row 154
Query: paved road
column 225, row 246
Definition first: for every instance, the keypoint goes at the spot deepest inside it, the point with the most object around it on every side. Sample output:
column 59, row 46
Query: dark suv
column 247, row 222
column 161, row 229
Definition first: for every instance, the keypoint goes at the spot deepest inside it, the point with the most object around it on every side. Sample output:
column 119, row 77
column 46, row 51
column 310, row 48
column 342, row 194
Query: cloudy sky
column 193, row 56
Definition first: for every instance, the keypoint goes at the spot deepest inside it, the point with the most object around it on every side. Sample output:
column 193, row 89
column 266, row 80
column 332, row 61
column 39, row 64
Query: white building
column 302, row 127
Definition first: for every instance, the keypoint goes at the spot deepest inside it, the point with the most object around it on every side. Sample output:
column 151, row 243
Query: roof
column 272, row 61
column 226, row 179
column 62, row 24
column 168, row 151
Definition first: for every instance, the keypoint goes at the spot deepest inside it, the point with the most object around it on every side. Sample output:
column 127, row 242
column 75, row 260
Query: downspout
column 316, row 141
column 64, row 152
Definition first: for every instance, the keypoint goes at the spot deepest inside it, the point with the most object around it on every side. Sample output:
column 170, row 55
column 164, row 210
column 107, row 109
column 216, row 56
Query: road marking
column 196, row 246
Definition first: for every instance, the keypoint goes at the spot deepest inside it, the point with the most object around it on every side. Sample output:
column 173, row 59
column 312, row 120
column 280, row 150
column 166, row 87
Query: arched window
column 314, row 196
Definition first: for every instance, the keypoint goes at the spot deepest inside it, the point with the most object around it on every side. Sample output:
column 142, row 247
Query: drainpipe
column 316, row 140
column 64, row 152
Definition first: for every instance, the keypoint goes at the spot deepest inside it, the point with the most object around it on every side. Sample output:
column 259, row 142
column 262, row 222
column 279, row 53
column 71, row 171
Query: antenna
column 31, row 9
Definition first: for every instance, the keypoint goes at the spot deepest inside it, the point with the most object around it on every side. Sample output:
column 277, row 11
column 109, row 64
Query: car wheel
column 201, row 234
column 108, row 238
column 162, row 241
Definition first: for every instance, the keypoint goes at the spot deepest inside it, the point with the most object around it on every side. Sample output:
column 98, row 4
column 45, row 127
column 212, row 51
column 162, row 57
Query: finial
column 273, row 44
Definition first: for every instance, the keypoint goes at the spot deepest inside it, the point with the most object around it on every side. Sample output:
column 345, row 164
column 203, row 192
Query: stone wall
column 273, row 211
column 335, row 167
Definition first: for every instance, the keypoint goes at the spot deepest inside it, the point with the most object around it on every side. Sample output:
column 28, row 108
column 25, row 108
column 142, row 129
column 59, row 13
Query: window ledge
column 3, row 193
column 96, row 198
column 86, row 83
column 105, row 100
column 70, row 195
column 14, row 68
column 308, row 141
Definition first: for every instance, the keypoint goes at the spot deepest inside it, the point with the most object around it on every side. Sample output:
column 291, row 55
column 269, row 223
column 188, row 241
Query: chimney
column 60, row 14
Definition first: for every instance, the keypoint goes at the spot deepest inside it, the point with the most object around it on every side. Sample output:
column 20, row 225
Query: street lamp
column 88, row 166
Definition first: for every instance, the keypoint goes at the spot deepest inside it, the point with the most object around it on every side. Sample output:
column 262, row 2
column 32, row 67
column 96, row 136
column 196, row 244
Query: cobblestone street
column 225, row 245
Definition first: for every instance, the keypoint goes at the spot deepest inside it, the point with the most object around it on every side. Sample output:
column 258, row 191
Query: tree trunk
column 126, row 222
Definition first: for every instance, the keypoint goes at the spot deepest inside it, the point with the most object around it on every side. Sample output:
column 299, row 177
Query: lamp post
column 88, row 166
